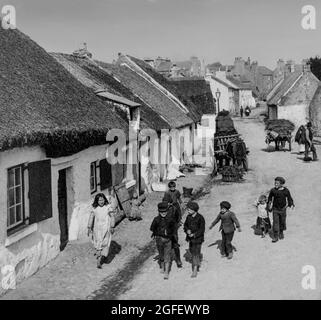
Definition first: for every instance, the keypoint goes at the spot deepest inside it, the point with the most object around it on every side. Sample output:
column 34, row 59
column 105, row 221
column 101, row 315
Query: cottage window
column 25, row 210
column 93, row 177
column 15, row 197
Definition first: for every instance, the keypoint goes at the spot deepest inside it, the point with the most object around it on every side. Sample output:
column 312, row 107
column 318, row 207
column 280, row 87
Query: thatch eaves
column 92, row 75
column 150, row 95
column 198, row 91
column 286, row 84
column 43, row 104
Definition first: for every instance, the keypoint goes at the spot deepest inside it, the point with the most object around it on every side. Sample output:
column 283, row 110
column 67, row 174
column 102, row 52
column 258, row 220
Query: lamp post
column 218, row 95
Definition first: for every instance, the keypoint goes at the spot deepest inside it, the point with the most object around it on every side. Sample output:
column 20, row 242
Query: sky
column 213, row 30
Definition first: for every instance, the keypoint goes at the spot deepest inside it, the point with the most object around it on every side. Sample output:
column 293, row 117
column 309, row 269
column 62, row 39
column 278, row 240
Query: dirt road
column 260, row 269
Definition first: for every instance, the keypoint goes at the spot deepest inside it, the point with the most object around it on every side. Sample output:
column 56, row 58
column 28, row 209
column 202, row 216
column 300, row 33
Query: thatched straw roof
column 194, row 111
column 241, row 84
column 149, row 94
column 90, row 74
column 198, row 91
column 286, row 84
column 295, row 88
column 43, row 104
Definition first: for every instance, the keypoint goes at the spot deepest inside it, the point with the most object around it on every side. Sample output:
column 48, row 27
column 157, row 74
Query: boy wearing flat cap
column 194, row 227
column 163, row 228
column 279, row 199
column 177, row 217
column 228, row 223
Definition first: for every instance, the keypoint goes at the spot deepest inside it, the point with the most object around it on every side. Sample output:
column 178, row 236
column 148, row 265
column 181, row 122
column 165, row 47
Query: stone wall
column 32, row 247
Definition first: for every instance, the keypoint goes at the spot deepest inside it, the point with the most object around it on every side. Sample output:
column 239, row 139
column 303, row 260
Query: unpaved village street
column 260, row 269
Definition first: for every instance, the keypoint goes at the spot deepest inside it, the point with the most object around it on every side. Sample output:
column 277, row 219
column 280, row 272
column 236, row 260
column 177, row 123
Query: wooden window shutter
column 40, row 196
column 118, row 173
column 106, row 180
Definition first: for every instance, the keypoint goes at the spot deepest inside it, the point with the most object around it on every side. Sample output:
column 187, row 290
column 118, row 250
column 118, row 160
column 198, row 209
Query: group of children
column 165, row 231
column 165, row 226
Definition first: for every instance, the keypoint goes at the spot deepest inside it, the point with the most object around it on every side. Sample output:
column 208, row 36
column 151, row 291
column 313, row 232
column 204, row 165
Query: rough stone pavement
column 74, row 275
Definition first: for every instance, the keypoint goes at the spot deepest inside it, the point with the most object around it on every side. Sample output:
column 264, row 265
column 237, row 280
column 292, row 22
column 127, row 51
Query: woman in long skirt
column 101, row 226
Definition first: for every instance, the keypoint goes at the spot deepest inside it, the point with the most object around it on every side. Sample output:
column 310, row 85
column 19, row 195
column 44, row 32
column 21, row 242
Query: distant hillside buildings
column 193, row 67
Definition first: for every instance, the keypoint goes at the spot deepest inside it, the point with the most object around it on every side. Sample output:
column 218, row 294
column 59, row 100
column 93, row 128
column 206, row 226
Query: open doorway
column 65, row 199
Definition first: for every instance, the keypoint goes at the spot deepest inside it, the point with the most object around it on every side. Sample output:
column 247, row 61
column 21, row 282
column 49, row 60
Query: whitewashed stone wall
column 298, row 114
column 25, row 251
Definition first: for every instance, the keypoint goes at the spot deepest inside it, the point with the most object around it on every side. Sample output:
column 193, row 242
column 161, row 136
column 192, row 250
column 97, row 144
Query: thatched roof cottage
column 52, row 154
column 291, row 97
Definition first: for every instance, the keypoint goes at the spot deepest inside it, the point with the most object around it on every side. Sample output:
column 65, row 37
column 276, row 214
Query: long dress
column 101, row 222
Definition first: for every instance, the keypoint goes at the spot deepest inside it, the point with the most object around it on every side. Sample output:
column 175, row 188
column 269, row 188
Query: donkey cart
column 227, row 149
column 279, row 131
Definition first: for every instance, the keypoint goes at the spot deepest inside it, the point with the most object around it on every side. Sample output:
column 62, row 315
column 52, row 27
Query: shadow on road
column 188, row 256
column 218, row 244
column 114, row 249
column 120, row 282
column 272, row 149
column 258, row 232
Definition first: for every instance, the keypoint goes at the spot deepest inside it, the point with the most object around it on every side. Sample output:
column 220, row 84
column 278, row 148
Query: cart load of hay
column 224, row 124
column 282, row 127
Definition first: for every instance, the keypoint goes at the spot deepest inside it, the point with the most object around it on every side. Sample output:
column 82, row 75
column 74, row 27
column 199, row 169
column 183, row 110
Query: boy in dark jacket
column 163, row 228
column 279, row 199
column 228, row 223
column 175, row 196
column 177, row 217
column 194, row 228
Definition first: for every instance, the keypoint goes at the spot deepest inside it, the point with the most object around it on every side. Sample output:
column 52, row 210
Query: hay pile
column 281, row 126
column 224, row 124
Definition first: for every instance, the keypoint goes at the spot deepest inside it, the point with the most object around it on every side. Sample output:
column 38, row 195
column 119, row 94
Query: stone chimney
column 221, row 75
column 254, row 65
column 306, row 67
column 290, row 66
column 121, row 58
column 280, row 64
column 248, row 63
column 239, row 66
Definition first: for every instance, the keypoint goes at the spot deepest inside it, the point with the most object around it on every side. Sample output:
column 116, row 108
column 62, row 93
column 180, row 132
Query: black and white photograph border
column 160, row 150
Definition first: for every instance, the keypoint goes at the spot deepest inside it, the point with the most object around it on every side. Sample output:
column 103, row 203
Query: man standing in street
column 163, row 228
column 309, row 146
column 194, row 228
column 241, row 111
column 279, row 199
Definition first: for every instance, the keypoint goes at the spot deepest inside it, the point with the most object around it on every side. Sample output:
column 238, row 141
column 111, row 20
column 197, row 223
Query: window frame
column 94, row 163
column 12, row 228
